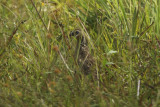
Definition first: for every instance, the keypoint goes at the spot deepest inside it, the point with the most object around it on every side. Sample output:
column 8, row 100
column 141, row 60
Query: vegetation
column 37, row 65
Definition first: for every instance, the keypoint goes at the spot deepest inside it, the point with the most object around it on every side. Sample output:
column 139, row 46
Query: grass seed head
column 19, row 94
column 49, row 36
column 57, row 71
column 69, row 78
column 51, row 84
column 55, row 48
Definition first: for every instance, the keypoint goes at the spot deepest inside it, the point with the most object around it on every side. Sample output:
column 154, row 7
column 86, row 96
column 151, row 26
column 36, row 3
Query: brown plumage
column 82, row 54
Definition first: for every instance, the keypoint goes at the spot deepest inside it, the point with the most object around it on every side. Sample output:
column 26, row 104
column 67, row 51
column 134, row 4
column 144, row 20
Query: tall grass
column 37, row 67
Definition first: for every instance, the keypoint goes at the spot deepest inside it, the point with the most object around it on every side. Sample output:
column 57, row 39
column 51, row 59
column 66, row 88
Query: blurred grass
column 36, row 56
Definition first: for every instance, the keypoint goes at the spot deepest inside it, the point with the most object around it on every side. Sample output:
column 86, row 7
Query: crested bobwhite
column 82, row 55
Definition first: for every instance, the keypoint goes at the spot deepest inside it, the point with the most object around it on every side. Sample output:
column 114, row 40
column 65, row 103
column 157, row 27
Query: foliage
column 37, row 67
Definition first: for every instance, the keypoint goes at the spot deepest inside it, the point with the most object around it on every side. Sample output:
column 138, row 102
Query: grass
column 36, row 53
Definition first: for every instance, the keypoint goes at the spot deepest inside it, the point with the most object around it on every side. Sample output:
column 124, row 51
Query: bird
column 82, row 54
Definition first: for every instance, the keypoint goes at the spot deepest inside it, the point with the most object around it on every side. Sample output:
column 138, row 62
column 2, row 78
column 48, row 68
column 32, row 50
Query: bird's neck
column 81, row 42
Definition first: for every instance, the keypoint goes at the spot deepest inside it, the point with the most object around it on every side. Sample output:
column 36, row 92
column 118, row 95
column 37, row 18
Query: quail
column 82, row 55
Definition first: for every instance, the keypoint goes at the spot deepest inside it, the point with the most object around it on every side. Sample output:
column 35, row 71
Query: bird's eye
column 71, row 34
column 77, row 32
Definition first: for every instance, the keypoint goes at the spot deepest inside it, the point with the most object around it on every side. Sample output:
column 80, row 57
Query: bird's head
column 76, row 33
column 79, row 36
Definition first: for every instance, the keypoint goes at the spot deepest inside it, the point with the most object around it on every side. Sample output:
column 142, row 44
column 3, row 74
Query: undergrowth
column 37, row 65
